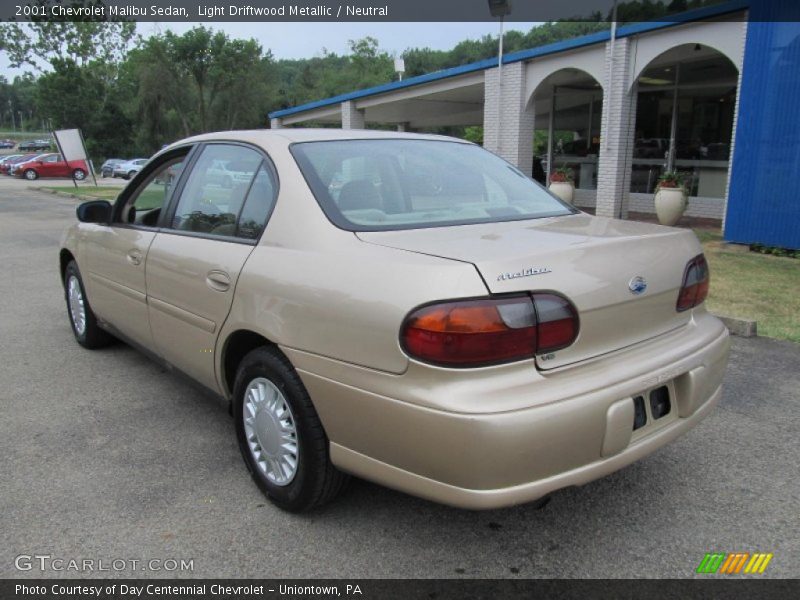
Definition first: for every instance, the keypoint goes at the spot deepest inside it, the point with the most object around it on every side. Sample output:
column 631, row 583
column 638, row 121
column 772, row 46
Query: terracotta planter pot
column 670, row 205
column 563, row 189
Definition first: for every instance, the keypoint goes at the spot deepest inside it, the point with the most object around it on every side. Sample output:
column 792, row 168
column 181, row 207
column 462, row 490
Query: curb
column 740, row 327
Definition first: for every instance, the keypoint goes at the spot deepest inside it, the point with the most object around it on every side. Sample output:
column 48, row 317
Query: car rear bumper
column 577, row 426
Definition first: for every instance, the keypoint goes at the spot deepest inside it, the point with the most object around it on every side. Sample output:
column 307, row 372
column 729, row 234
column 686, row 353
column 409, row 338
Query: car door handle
column 134, row 257
column 218, row 280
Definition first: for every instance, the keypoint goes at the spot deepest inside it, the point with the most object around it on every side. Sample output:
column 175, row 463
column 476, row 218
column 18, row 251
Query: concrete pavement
column 105, row 455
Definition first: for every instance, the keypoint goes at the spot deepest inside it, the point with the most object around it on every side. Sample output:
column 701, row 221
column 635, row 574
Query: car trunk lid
column 594, row 262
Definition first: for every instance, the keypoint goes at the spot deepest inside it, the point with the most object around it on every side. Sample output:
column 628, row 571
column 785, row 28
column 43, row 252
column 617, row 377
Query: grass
column 101, row 192
column 753, row 286
column 23, row 135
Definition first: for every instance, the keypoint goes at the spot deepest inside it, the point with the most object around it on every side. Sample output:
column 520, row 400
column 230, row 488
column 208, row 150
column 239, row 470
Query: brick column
column 507, row 125
column 617, row 130
column 275, row 124
column 352, row 118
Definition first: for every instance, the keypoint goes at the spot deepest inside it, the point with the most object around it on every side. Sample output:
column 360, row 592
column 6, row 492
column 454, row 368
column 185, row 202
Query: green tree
column 206, row 78
column 37, row 42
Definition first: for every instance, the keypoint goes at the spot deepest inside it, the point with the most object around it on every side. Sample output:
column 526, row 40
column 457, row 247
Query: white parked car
column 129, row 168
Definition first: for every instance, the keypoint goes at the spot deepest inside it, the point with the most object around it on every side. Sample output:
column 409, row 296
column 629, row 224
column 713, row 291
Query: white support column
column 401, row 127
column 352, row 118
column 617, row 130
column 508, row 129
column 275, row 124
column 735, row 123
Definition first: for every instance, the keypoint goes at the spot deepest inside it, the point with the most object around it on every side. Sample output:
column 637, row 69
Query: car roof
column 291, row 135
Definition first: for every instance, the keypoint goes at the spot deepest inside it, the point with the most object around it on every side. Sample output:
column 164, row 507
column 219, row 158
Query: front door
column 116, row 253
column 52, row 166
column 195, row 259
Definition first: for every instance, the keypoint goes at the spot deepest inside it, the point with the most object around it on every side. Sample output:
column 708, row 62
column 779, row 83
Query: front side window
column 215, row 190
column 146, row 203
column 375, row 185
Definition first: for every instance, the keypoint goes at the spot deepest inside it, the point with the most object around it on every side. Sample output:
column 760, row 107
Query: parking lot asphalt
column 105, row 455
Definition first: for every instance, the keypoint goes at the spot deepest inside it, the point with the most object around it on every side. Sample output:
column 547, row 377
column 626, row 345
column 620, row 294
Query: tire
column 31, row 175
column 130, row 174
column 79, row 174
column 86, row 330
column 266, row 385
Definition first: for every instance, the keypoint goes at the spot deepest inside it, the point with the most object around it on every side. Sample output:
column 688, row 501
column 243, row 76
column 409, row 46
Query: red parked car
column 52, row 165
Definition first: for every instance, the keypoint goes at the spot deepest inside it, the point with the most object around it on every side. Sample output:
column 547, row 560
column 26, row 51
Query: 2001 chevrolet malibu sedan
column 409, row 309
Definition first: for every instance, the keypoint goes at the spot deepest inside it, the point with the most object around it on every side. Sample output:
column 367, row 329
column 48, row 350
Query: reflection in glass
column 576, row 102
column 684, row 121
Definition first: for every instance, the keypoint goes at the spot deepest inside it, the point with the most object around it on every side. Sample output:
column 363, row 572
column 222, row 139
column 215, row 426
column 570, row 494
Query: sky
column 305, row 40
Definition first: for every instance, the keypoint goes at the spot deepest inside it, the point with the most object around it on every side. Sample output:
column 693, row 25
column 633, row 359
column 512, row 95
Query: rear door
column 61, row 168
column 194, row 261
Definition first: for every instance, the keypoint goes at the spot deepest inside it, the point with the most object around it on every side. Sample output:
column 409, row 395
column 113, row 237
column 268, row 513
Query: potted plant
column 671, row 199
column 562, row 184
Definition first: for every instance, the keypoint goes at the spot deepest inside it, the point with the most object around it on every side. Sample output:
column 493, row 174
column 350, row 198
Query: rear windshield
column 389, row 184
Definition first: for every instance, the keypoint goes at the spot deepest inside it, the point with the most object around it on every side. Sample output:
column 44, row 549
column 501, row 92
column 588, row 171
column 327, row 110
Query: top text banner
column 364, row 10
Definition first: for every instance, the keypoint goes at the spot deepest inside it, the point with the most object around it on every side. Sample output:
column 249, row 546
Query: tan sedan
column 409, row 309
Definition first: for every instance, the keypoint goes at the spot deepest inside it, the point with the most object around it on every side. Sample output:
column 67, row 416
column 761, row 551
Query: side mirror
column 95, row 211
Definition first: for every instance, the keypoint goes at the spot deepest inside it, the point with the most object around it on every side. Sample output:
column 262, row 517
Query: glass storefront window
column 651, row 139
column 576, row 133
column 684, row 122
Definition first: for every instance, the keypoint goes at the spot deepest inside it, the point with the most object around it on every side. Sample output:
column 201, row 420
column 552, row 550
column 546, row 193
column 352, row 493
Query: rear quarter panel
column 313, row 287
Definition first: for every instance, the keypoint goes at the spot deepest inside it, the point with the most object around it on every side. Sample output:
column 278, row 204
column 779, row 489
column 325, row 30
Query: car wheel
column 79, row 174
column 84, row 323
column 130, row 174
column 280, row 435
column 31, row 175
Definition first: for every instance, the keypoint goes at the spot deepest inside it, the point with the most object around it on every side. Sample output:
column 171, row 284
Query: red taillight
column 694, row 288
column 472, row 333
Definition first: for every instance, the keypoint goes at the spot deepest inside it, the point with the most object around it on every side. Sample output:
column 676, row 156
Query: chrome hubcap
column 77, row 311
column 270, row 431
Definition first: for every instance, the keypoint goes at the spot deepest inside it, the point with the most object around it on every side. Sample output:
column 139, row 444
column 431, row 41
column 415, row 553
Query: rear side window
column 257, row 206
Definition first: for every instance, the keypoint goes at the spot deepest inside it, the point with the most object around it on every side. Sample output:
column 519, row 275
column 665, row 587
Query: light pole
column 499, row 8
column 612, row 58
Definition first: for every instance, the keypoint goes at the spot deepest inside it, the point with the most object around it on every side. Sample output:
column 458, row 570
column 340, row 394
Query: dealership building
column 714, row 94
